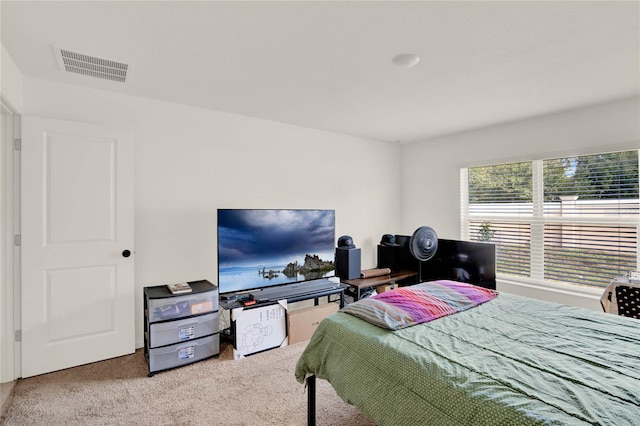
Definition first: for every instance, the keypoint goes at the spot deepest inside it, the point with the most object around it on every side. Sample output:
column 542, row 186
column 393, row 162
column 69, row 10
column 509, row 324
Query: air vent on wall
column 92, row 66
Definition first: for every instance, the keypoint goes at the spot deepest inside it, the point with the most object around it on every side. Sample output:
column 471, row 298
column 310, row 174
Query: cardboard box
column 386, row 287
column 303, row 322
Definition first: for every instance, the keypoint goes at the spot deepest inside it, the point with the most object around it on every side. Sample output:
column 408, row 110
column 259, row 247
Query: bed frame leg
column 311, row 401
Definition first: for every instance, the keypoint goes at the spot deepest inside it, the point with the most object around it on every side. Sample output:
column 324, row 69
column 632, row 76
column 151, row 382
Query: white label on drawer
column 200, row 307
column 186, row 353
column 185, row 333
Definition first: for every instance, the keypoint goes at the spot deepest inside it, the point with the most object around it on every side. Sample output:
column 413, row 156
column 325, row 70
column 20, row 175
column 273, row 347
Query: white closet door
column 77, row 224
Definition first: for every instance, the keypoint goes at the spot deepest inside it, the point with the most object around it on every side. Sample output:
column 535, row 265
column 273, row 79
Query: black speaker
column 398, row 256
column 405, row 259
column 386, row 257
column 348, row 263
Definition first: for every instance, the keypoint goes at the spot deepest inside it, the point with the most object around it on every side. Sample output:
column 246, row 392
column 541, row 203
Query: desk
column 361, row 283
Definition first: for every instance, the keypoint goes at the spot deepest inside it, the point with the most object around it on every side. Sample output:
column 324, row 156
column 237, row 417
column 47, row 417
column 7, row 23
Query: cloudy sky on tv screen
column 250, row 240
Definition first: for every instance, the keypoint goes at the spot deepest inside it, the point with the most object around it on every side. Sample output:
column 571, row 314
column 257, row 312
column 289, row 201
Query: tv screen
column 466, row 261
column 260, row 248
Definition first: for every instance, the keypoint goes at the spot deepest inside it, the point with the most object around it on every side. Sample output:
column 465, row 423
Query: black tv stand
column 292, row 293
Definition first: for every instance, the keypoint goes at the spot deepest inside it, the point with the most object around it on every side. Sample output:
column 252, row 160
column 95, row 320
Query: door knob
column 126, row 253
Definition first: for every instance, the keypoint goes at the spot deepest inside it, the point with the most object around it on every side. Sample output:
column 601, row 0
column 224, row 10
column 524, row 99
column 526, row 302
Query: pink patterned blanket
column 424, row 302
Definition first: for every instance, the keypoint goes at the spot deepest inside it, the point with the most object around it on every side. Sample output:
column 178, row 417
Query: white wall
column 190, row 162
column 10, row 80
column 430, row 169
column 5, row 281
column 12, row 100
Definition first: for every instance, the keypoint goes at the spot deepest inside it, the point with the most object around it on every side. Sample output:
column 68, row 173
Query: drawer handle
column 188, row 322
column 190, row 344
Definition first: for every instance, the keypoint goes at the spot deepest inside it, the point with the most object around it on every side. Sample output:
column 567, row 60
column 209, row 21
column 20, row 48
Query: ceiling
column 327, row 65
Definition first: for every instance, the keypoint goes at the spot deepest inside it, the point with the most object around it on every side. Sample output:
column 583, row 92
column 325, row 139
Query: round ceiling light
column 405, row 60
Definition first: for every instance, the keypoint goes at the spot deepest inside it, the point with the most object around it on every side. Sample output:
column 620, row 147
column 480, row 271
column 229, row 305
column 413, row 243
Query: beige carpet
column 258, row 390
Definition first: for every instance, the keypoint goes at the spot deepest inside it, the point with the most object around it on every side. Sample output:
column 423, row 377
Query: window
column 568, row 220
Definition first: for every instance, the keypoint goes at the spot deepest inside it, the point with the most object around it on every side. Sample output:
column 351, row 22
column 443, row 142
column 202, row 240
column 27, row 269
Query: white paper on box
column 259, row 328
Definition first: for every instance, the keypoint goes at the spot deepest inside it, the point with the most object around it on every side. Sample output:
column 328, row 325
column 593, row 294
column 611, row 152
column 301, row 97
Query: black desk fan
column 423, row 245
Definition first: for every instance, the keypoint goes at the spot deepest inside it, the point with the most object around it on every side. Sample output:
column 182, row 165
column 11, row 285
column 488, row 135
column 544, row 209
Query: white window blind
column 571, row 220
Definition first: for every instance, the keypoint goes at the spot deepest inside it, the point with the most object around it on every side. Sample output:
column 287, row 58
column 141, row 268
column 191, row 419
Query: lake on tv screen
column 237, row 279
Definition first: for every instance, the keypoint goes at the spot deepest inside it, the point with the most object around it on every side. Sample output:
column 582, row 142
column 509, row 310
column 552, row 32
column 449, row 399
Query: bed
column 509, row 360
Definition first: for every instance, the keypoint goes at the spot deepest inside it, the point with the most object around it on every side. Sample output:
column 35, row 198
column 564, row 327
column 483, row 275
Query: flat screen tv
column 260, row 248
column 466, row 261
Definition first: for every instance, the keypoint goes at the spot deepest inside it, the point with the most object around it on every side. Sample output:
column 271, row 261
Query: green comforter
column 510, row 361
